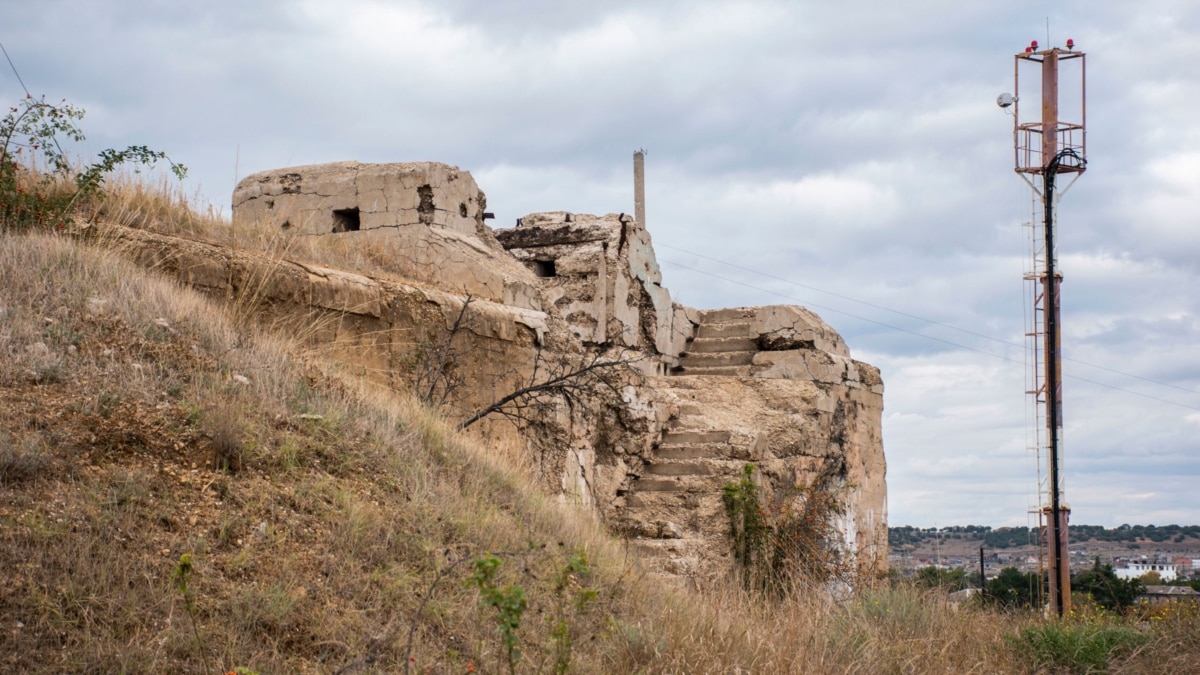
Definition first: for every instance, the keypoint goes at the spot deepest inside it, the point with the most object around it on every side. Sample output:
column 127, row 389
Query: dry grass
column 159, row 205
column 319, row 511
column 139, row 422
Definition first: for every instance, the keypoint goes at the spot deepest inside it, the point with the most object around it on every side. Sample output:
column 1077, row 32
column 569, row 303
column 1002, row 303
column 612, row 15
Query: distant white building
column 1166, row 571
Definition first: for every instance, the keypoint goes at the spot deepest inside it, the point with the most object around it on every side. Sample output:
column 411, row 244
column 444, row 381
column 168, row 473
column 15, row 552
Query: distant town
column 1153, row 553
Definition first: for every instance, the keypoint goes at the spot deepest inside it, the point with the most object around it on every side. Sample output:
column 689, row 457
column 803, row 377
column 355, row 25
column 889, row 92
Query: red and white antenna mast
column 1046, row 148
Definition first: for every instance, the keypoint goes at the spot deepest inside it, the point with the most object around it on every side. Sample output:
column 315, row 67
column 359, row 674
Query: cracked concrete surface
column 386, row 195
column 713, row 389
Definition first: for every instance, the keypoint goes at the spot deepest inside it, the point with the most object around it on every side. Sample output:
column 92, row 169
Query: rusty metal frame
column 1035, row 143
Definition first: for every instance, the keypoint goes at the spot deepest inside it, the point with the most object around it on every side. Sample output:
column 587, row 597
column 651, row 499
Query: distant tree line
column 1011, row 537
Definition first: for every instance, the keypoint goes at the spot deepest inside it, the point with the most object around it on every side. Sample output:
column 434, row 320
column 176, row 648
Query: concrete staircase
column 723, row 345
column 673, row 512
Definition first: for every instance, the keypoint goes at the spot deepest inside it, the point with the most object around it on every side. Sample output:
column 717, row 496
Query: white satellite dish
column 1005, row 100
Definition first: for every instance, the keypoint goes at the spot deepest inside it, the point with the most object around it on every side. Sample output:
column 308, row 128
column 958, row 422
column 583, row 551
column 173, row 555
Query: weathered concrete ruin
column 708, row 390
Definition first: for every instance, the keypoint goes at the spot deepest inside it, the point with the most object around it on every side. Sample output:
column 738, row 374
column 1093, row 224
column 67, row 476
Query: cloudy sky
column 847, row 156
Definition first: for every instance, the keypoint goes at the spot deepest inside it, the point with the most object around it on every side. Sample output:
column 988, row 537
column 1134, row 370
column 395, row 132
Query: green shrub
column 38, row 187
column 791, row 542
column 1076, row 648
column 1109, row 591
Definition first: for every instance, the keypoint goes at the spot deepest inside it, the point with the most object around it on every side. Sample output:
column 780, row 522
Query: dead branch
column 433, row 365
column 590, row 376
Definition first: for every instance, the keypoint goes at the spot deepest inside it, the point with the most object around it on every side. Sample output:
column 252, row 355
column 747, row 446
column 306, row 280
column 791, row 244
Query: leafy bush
column 508, row 601
column 793, row 540
column 1106, row 588
column 948, row 580
column 38, row 186
column 1013, row 588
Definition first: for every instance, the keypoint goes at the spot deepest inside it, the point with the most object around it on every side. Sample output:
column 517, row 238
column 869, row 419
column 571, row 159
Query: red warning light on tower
column 1070, row 44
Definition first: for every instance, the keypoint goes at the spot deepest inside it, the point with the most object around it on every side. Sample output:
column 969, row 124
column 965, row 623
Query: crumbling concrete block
column 601, row 273
column 425, row 219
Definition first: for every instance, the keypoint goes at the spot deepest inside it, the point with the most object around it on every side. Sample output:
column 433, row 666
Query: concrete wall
column 772, row 385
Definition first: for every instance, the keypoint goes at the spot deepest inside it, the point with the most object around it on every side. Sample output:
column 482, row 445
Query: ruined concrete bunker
column 717, row 389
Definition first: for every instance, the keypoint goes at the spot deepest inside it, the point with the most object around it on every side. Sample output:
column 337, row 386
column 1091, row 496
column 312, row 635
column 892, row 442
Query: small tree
column 38, row 187
column 434, row 368
column 1151, row 578
column 1013, row 588
column 433, row 365
column 573, row 378
column 1106, row 588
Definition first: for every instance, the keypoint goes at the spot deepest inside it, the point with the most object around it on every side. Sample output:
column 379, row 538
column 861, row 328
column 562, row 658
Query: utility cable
column 914, row 317
column 922, row 335
column 14, row 69
column 838, row 311
column 27, row 94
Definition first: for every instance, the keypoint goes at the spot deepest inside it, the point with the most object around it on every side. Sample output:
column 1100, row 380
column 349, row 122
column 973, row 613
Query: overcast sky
column 847, row 156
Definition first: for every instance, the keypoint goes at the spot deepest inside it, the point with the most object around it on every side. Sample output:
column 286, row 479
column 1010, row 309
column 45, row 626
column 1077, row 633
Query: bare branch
column 433, row 364
column 572, row 381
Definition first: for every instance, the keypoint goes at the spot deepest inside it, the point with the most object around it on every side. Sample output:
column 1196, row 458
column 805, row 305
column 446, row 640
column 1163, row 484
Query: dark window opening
column 544, row 268
column 346, row 220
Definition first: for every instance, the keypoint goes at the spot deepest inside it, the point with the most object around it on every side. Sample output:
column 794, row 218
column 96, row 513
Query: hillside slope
column 137, row 424
column 182, row 493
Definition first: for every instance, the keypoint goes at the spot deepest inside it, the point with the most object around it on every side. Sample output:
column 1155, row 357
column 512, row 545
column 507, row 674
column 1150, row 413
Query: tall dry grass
column 332, row 523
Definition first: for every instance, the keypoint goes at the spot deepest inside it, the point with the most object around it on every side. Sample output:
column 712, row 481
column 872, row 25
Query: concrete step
column 688, row 437
column 727, row 314
column 670, row 468
column 652, row 524
column 716, row 359
column 723, row 344
column 687, row 512
column 727, row 371
column 686, row 391
column 656, row 485
column 699, row 451
column 711, row 483
column 659, row 500
column 723, row 330
column 661, row 547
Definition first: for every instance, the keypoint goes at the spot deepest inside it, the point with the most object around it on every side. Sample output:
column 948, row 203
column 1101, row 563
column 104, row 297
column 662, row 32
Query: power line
column 930, row 337
column 838, row 311
column 14, row 69
column 27, row 94
column 843, row 297
column 911, row 316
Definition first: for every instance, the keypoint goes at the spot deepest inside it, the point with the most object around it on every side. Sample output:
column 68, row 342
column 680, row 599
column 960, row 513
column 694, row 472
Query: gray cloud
column 854, row 148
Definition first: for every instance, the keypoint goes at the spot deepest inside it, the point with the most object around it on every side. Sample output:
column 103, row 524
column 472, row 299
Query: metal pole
column 639, row 187
column 982, row 576
column 1053, row 394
